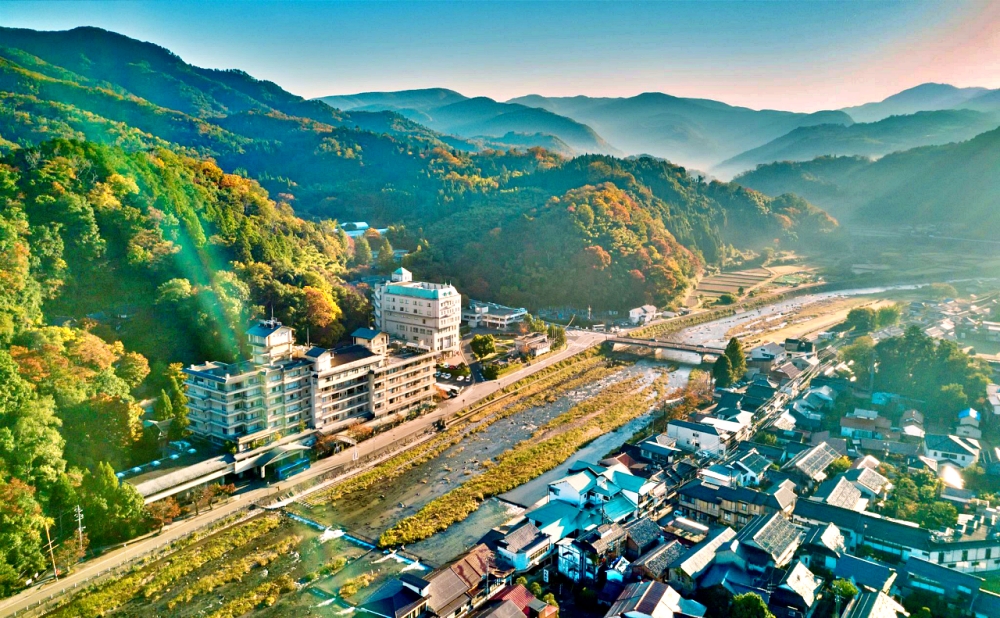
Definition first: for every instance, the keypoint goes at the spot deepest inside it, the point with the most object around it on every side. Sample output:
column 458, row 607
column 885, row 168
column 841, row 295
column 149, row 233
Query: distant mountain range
column 873, row 139
column 925, row 98
column 952, row 184
column 450, row 112
column 692, row 132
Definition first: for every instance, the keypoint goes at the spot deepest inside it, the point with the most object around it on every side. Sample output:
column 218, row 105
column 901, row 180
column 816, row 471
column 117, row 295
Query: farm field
column 742, row 282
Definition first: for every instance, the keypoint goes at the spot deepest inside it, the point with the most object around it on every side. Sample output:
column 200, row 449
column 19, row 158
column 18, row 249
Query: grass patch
column 151, row 580
column 264, row 595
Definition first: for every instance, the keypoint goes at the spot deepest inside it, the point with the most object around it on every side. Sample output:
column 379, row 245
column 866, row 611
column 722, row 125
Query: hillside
column 693, row 132
column 866, row 139
column 952, row 185
column 88, row 84
column 452, row 113
column 922, row 98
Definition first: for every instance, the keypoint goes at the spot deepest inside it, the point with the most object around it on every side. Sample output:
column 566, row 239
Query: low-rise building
column 654, row 600
column 943, row 447
column 699, row 437
column 533, row 345
column 733, row 506
column 478, row 314
column 642, row 315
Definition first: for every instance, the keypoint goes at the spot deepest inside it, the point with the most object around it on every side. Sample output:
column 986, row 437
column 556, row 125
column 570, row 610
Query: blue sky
column 803, row 55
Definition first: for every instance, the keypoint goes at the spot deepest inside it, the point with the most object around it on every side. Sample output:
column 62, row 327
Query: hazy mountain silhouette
column 922, row 98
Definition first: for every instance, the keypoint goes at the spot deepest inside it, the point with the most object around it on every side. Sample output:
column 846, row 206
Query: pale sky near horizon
column 803, row 56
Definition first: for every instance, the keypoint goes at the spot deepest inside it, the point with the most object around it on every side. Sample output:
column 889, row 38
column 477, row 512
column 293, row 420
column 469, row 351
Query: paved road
column 577, row 341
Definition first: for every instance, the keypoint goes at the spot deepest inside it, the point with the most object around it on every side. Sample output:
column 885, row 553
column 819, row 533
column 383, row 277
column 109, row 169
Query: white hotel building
column 423, row 314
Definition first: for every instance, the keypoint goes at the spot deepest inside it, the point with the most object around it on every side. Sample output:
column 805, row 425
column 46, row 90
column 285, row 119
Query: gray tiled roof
column 864, row 572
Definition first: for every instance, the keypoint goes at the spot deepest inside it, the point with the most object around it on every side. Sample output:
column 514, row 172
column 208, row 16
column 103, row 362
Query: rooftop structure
column 491, row 315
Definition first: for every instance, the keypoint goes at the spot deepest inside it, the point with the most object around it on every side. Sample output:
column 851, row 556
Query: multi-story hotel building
column 423, row 314
column 288, row 389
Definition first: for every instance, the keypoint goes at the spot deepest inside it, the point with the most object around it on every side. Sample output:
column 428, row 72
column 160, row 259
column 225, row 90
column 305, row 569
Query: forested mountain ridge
column 79, row 84
column 453, row 113
column 953, row 185
column 873, row 139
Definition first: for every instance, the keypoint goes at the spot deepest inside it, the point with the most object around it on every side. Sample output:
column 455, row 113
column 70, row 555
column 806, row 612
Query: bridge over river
column 670, row 350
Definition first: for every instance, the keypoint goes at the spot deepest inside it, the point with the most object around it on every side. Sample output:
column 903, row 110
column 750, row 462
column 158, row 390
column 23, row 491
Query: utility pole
column 79, row 523
column 52, row 556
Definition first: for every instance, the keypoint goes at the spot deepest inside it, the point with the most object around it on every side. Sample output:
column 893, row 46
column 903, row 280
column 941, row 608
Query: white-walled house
column 962, row 451
column 698, row 437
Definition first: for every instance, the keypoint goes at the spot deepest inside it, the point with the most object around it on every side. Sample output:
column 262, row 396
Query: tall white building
column 287, row 389
column 423, row 314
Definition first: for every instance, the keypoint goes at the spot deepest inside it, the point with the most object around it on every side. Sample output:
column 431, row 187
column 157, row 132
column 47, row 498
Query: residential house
column 865, row 573
column 655, row 564
column 869, row 482
column 822, row 547
column 785, row 373
column 685, row 570
column 767, row 356
column 581, row 559
column 968, row 424
column 699, row 437
column 642, row 315
column 533, row 345
column 659, row 449
column 810, row 465
column 941, row 447
column 524, row 601
column 769, row 541
column 523, row 547
column 838, row 491
column 874, row 605
column 653, row 600
column 452, row 591
column 733, row 506
column 797, row 593
column 641, row 536
column 735, row 422
column 857, row 426
column 799, row 347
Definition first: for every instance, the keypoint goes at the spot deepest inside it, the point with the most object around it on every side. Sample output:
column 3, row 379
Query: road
column 577, row 341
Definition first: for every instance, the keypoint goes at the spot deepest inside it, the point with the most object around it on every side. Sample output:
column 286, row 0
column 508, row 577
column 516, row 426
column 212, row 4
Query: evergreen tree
column 163, row 408
column 386, row 257
column 114, row 510
column 362, row 252
column 722, row 371
column 737, row 359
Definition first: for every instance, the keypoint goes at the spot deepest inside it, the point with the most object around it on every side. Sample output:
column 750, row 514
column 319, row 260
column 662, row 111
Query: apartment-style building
column 423, row 314
column 285, row 389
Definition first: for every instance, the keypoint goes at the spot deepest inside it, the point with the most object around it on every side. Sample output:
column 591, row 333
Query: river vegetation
column 551, row 445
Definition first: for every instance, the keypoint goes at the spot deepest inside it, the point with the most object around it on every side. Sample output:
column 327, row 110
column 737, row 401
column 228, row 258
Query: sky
column 804, row 55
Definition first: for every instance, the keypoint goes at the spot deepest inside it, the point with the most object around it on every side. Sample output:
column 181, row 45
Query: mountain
column 441, row 197
column 422, row 99
column 693, row 132
column 450, row 112
column 922, row 98
column 953, row 185
column 988, row 101
column 866, row 139
column 525, row 140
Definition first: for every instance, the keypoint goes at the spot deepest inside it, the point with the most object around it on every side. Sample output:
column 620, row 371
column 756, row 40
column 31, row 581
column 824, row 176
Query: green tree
column 114, row 510
column 483, row 345
column 888, row 315
column 386, row 257
column 861, row 354
column 22, row 533
column 839, row 465
column 940, row 291
column 749, row 605
column 861, row 319
column 550, row 599
column 937, row 515
column 737, row 358
column 557, row 335
column 722, row 371
column 133, row 368
column 536, row 589
column 844, row 589
column 362, row 252
column 163, row 408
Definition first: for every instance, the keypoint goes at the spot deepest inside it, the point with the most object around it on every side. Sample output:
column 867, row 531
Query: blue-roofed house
column 968, row 424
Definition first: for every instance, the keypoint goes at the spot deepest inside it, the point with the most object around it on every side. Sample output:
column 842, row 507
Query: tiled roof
column 392, row 599
column 827, row 536
column 700, row 427
column 877, row 528
column 517, row 593
column 700, row 557
column 772, row 534
column 812, row 462
column 867, row 478
column 658, row 560
column 874, row 605
column 520, row 537
column 800, row 580
column 949, row 444
column 643, row 531
column 864, row 572
column 839, row 492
